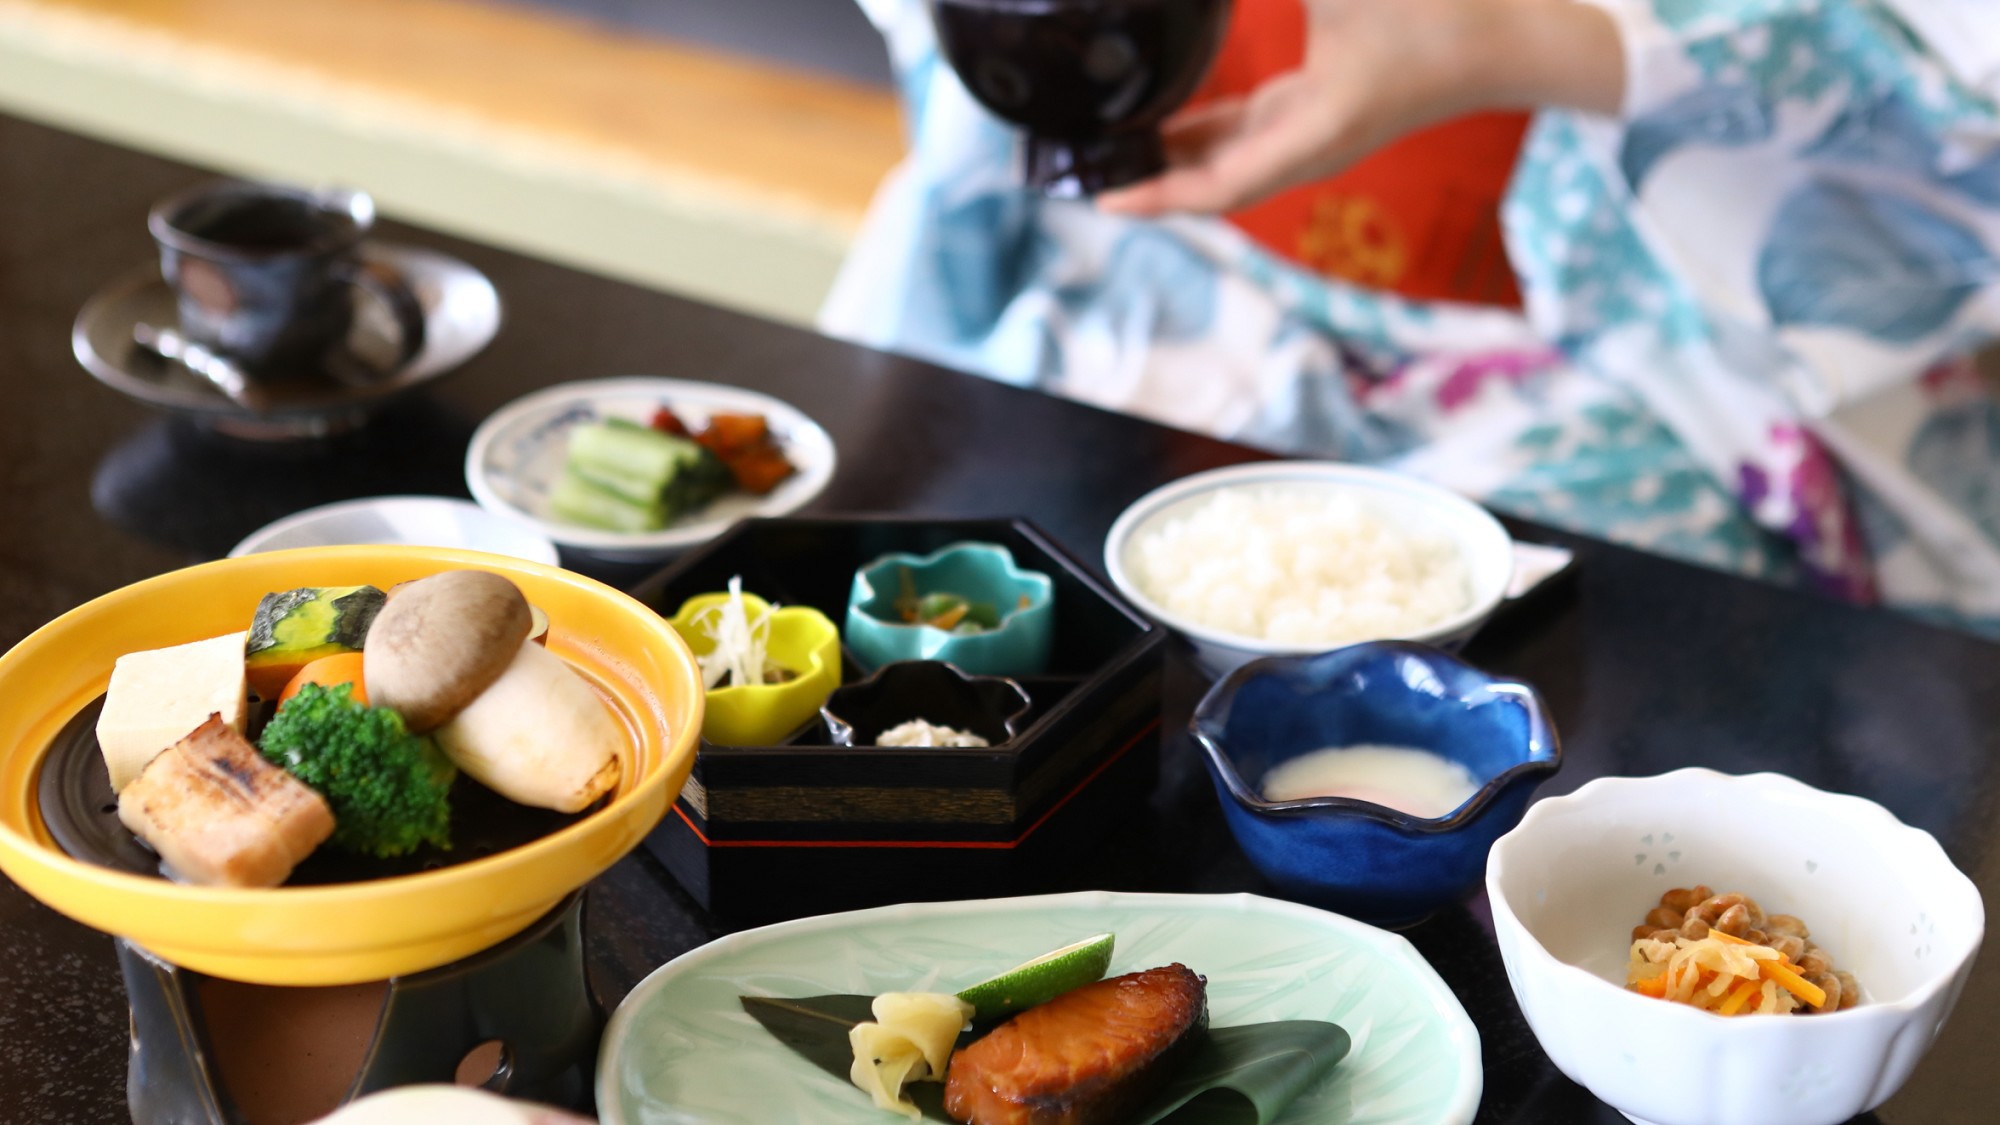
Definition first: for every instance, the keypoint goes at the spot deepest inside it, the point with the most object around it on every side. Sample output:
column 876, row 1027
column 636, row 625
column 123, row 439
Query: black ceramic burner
column 527, row 997
column 1090, row 80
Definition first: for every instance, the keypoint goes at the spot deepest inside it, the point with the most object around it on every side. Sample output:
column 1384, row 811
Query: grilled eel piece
column 1089, row 1056
column 220, row 815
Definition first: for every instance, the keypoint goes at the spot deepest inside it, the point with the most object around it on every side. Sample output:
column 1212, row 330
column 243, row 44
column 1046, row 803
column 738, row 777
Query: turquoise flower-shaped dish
column 978, row 572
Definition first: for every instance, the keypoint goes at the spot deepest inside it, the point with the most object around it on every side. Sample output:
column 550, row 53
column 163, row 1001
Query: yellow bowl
column 350, row 932
column 802, row 640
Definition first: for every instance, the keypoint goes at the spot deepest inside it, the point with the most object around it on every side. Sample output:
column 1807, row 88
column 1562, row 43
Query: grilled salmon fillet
column 1089, row 1056
column 220, row 815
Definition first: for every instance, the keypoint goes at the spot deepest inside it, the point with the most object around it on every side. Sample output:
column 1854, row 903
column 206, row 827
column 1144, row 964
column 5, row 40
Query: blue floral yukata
column 1747, row 302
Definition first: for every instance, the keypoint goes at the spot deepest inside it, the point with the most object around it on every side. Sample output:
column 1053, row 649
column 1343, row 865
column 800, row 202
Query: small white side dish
column 1571, row 881
column 417, row 521
column 518, row 452
column 1412, row 504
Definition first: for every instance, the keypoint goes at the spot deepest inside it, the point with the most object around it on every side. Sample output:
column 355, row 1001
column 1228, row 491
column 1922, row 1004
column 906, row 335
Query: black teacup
column 264, row 273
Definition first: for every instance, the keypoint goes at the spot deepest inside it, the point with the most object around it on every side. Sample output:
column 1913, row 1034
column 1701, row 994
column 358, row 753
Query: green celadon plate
column 681, row 1050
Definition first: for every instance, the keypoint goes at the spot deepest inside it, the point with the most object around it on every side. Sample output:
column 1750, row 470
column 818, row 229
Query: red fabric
column 1420, row 217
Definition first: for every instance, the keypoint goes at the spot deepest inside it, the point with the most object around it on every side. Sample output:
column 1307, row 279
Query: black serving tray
column 761, row 833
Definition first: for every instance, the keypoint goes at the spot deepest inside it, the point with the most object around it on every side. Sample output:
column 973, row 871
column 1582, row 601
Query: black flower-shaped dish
column 991, row 707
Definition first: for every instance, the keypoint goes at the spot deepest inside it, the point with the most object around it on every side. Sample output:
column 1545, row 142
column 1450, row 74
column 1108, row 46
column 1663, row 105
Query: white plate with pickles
column 597, row 467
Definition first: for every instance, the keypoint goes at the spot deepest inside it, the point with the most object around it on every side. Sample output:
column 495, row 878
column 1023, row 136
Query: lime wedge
column 1042, row 979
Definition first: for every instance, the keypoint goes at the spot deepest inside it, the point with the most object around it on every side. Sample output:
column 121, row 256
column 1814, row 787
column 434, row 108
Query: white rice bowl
column 1299, row 565
column 1293, row 557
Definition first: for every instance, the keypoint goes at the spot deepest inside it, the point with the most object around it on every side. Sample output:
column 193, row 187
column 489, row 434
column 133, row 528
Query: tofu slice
column 220, row 815
column 157, row 697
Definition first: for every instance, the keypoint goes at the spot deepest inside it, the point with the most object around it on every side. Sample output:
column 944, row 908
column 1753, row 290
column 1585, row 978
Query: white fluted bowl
column 1580, row 871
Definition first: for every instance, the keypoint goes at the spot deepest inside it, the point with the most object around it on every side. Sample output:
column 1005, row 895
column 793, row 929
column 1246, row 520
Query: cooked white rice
column 1298, row 565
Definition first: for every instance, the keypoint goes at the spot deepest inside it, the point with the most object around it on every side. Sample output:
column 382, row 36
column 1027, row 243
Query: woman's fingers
column 1221, row 162
column 1181, row 189
column 1190, row 135
column 1372, row 72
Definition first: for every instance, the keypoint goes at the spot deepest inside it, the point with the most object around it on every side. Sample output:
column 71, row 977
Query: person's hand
column 1374, row 70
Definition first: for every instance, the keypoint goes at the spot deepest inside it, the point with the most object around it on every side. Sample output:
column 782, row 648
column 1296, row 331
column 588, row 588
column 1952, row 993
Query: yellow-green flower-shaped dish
column 802, row 641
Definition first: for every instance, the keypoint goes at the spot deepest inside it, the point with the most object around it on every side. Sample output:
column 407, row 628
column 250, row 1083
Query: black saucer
column 461, row 312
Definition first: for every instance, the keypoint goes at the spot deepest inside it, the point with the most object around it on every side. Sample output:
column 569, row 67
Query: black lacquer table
column 1646, row 664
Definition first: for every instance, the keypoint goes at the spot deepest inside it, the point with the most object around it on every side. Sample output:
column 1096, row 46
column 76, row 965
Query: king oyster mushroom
column 452, row 654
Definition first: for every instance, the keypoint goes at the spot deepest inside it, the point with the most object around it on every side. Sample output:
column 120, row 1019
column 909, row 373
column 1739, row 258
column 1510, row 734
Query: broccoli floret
column 388, row 788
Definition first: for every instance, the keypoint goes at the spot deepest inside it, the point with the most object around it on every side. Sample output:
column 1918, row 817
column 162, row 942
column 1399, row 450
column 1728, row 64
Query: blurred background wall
column 724, row 149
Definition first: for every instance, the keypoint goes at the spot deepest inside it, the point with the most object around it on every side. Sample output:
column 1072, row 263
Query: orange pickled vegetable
column 760, row 470
column 730, row 433
column 327, row 671
column 1789, row 980
column 1739, row 996
column 1654, row 986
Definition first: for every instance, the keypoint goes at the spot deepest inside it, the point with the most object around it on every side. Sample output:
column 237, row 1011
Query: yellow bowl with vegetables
column 347, row 932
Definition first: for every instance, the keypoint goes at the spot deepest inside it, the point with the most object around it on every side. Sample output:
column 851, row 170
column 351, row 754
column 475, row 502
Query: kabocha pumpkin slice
column 296, row 627
column 538, row 735
column 440, row 642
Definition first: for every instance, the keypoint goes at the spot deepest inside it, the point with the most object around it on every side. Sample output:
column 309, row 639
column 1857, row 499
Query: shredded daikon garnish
column 739, row 654
column 1704, row 972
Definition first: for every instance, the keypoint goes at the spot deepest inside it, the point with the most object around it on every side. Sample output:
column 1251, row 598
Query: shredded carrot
column 1792, row 982
column 950, row 618
column 1654, row 986
column 1739, row 996
column 1730, row 939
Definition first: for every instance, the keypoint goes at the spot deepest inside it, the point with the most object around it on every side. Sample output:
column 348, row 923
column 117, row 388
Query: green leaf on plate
column 1265, row 1065
column 1240, row 1074
column 815, row 1027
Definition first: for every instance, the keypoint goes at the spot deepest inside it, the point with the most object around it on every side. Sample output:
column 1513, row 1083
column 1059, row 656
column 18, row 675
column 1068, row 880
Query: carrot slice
column 1739, row 996
column 1795, row 984
column 328, row 671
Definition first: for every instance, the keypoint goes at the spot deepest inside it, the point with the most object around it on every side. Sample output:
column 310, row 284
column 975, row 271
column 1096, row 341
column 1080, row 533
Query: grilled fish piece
column 220, row 815
column 1089, row 1056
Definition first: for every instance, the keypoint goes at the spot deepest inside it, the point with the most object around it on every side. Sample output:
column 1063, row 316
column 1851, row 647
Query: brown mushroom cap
column 440, row 642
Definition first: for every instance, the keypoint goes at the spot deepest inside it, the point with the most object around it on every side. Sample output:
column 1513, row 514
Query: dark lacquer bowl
column 1359, row 858
column 1090, row 80
column 992, row 707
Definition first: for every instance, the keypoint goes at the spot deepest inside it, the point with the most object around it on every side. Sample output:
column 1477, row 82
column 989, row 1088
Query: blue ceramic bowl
column 981, row 572
column 1356, row 857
